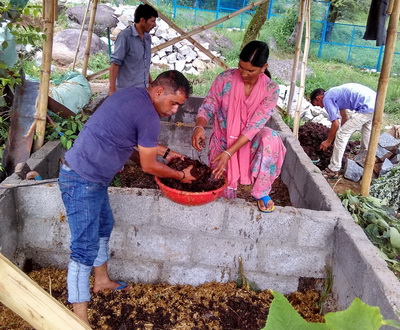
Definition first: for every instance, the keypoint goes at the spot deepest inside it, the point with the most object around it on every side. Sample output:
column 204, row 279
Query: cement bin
column 156, row 240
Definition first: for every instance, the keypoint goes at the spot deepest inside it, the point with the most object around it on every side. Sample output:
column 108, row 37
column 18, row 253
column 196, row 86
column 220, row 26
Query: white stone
column 307, row 115
column 161, row 24
column 171, row 58
column 180, row 57
column 203, row 56
column 316, row 111
column 155, row 59
column 192, row 71
column 184, row 50
column 200, row 65
column 180, row 65
column 161, row 31
column 155, row 41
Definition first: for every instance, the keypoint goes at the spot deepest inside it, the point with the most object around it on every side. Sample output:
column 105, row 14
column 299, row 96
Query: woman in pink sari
column 241, row 102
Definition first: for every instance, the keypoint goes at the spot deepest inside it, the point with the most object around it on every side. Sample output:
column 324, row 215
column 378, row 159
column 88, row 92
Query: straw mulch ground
column 147, row 306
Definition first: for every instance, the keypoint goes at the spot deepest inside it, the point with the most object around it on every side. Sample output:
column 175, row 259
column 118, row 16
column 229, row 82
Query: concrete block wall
column 156, row 240
column 9, row 229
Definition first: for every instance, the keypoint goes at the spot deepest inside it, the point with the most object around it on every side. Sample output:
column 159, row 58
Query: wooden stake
column 194, row 42
column 41, row 103
column 299, row 37
column 80, row 35
column 207, row 26
column 380, row 98
column 296, row 123
column 89, row 38
column 26, row 298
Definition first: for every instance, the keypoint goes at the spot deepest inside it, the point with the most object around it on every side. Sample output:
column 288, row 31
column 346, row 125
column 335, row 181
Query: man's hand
column 324, row 145
column 173, row 154
column 188, row 178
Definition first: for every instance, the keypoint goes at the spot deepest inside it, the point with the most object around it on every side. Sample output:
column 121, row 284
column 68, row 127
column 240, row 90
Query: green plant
column 65, row 129
column 379, row 223
column 387, row 187
column 283, row 316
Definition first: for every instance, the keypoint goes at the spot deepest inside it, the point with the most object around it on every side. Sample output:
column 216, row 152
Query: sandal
column 262, row 204
column 329, row 174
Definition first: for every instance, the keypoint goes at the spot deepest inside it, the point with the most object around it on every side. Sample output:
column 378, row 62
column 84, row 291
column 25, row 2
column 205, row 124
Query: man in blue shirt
column 336, row 101
column 130, row 61
column 128, row 118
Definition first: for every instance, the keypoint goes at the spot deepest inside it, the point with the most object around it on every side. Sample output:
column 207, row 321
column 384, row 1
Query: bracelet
column 199, row 127
column 166, row 153
column 184, row 176
column 227, row 152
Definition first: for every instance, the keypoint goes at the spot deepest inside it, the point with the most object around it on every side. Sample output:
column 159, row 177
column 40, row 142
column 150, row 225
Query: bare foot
column 107, row 285
column 80, row 309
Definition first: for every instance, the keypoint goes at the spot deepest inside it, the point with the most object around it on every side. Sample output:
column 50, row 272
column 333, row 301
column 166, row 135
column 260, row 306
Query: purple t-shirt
column 350, row 96
column 126, row 119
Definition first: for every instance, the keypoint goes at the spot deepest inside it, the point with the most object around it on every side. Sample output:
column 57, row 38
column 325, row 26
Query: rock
column 382, row 153
column 104, row 18
column 361, row 157
column 386, row 166
column 64, row 46
column 388, row 142
column 353, row 171
column 396, row 159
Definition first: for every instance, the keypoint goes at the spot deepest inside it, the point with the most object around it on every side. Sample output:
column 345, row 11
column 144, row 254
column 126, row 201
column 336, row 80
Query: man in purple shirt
column 130, row 61
column 336, row 101
column 126, row 119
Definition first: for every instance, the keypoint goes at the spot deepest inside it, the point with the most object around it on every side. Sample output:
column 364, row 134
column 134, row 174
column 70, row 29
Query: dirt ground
column 162, row 307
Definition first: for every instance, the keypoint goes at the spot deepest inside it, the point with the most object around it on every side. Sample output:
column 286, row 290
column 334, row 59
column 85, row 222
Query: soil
column 162, row 306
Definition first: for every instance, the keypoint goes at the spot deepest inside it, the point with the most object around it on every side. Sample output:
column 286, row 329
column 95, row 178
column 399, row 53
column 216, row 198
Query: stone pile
column 182, row 56
column 308, row 112
column 387, row 156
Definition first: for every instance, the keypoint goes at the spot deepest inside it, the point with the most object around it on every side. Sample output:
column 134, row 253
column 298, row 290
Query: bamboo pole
column 41, row 103
column 26, row 298
column 380, row 98
column 80, row 35
column 89, row 38
column 296, row 122
column 207, row 26
column 299, row 37
column 194, row 42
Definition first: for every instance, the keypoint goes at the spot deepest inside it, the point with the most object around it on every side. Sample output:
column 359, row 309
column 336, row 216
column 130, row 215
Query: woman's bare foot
column 80, row 309
column 102, row 280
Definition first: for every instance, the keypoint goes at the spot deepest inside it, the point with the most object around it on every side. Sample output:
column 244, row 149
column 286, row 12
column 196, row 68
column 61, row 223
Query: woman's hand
column 222, row 160
column 199, row 138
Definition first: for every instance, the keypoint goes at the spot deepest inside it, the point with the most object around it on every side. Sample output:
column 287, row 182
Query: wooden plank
column 26, row 298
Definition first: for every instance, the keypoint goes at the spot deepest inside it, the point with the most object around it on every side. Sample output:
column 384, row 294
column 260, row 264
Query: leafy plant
column 283, row 316
column 66, row 130
column 379, row 223
column 387, row 187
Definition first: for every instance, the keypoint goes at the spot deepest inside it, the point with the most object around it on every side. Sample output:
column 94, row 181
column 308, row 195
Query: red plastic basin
column 190, row 198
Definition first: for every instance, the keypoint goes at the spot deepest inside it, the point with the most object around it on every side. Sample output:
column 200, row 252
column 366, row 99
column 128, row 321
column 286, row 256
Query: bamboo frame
column 209, row 25
column 194, row 42
column 80, row 35
column 49, row 8
column 26, row 298
column 299, row 37
column 296, row 122
column 380, row 98
column 89, row 38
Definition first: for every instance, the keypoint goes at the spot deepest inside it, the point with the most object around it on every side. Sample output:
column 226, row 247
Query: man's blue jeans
column 91, row 222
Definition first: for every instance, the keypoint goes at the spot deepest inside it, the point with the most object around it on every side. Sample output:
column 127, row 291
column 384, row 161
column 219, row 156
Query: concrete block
column 224, row 252
column 316, row 230
column 157, row 245
column 292, row 260
column 277, row 227
column 353, row 171
column 195, row 275
column 389, row 142
column 205, row 218
column 271, row 281
column 382, row 153
column 9, row 226
column 138, row 211
column 136, row 270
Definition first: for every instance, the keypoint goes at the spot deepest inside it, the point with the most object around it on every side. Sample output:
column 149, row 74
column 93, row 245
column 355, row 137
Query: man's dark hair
column 173, row 81
column 257, row 53
column 146, row 11
column 315, row 93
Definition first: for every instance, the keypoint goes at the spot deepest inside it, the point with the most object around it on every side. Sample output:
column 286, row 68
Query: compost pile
column 205, row 180
column 310, row 137
column 161, row 306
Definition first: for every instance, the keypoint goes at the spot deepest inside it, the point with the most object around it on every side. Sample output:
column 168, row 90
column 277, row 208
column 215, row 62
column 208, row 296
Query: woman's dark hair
column 257, row 53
